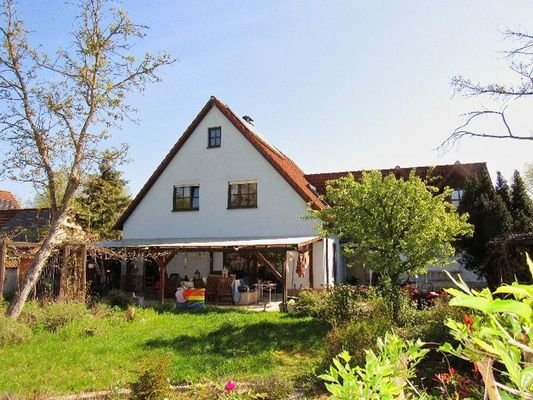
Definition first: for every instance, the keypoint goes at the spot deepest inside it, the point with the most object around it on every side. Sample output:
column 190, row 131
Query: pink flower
column 230, row 385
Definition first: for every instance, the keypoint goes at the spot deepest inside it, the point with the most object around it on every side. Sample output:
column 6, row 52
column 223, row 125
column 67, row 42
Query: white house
column 224, row 197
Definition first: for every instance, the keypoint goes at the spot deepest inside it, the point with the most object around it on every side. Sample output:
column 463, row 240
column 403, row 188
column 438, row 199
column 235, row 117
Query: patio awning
column 210, row 244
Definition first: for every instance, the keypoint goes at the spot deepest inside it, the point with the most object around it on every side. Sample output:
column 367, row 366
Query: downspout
column 327, row 262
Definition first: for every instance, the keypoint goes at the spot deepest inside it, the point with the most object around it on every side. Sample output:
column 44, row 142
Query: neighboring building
column 24, row 227
column 224, row 197
column 453, row 176
column 7, row 200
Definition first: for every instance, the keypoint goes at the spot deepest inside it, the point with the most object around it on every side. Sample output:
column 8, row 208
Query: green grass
column 99, row 353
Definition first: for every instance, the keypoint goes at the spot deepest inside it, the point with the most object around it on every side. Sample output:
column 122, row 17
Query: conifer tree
column 491, row 218
column 102, row 199
column 503, row 190
column 521, row 206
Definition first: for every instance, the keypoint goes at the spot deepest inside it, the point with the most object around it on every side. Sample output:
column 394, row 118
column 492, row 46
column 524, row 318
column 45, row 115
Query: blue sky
column 336, row 85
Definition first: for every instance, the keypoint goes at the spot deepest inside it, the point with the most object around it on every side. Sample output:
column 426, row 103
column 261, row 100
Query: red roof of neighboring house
column 283, row 164
column 452, row 175
column 7, row 200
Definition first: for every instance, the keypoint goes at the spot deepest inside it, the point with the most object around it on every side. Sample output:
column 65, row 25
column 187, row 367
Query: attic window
column 214, row 137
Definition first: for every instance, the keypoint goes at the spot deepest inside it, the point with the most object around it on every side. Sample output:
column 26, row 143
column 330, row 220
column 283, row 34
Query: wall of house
column 279, row 209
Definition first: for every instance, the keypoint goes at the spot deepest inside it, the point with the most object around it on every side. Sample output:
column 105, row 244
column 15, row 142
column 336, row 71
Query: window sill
column 213, row 147
column 241, row 208
column 186, row 209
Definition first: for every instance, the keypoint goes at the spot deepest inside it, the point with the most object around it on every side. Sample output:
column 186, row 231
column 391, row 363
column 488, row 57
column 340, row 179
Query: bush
column 311, row 303
column 12, row 331
column 153, row 384
column 355, row 337
column 385, row 374
column 57, row 315
column 117, row 298
column 340, row 303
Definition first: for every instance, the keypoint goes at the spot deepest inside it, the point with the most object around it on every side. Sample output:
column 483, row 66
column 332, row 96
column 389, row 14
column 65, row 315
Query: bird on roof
column 248, row 119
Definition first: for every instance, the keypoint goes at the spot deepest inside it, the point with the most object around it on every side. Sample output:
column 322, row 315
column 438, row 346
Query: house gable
column 282, row 191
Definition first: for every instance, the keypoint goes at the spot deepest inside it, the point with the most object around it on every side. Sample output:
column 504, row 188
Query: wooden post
column 83, row 267
column 311, row 277
column 284, row 296
column 211, row 262
column 3, row 262
column 162, row 274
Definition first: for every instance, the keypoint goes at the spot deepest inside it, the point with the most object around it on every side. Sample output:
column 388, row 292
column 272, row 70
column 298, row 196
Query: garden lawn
column 106, row 352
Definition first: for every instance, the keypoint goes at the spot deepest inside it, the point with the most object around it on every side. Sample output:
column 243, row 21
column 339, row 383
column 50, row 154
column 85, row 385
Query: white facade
column 279, row 209
column 279, row 212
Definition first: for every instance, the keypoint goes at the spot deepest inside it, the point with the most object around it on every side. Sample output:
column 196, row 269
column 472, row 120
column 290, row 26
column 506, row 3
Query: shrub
column 117, row 298
column 385, row 375
column 311, row 303
column 355, row 337
column 12, row 331
column 152, row 384
column 273, row 388
column 58, row 314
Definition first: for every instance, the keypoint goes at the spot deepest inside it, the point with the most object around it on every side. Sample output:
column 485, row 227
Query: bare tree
column 520, row 63
column 56, row 112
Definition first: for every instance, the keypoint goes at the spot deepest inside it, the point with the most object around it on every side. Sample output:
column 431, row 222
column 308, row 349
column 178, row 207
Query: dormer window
column 214, row 137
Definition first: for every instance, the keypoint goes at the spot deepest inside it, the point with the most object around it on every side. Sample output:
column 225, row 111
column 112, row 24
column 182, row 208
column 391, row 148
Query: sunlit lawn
column 96, row 354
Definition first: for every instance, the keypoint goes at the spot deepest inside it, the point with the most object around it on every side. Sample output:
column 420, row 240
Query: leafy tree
column 521, row 64
column 521, row 207
column 491, row 218
column 101, row 200
column 56, row 112
column 395, row 226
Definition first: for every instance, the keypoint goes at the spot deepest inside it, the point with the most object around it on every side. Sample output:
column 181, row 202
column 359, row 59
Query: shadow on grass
column 231, row 340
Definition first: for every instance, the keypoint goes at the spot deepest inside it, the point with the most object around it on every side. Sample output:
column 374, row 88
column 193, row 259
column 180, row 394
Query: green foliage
column 521, row 206
column 152, row 384
column 488, row 213
column 393, row 225
column 12, row 331
column 498, row 330
column 117, row 298
column 341, row 303
column 355, row 337
column 103, row 197
column 385, row 375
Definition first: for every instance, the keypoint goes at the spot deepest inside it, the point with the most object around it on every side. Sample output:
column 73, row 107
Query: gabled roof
column 24, row 224
column 452, row 175
column 281, row 163
column 7, row 200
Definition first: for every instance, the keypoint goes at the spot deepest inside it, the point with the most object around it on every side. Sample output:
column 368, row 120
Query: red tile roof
column 452, row 175
column 7, row 200
column 283, row 164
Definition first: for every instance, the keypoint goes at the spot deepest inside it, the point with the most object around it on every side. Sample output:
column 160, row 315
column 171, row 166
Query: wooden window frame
column 191, row 198
column 240, row 185
column 212, row 141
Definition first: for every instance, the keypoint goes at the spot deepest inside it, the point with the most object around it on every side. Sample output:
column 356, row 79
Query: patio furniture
column 224, row 289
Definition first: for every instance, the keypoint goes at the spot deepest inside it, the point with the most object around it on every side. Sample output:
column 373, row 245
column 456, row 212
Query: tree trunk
column 37, row 265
